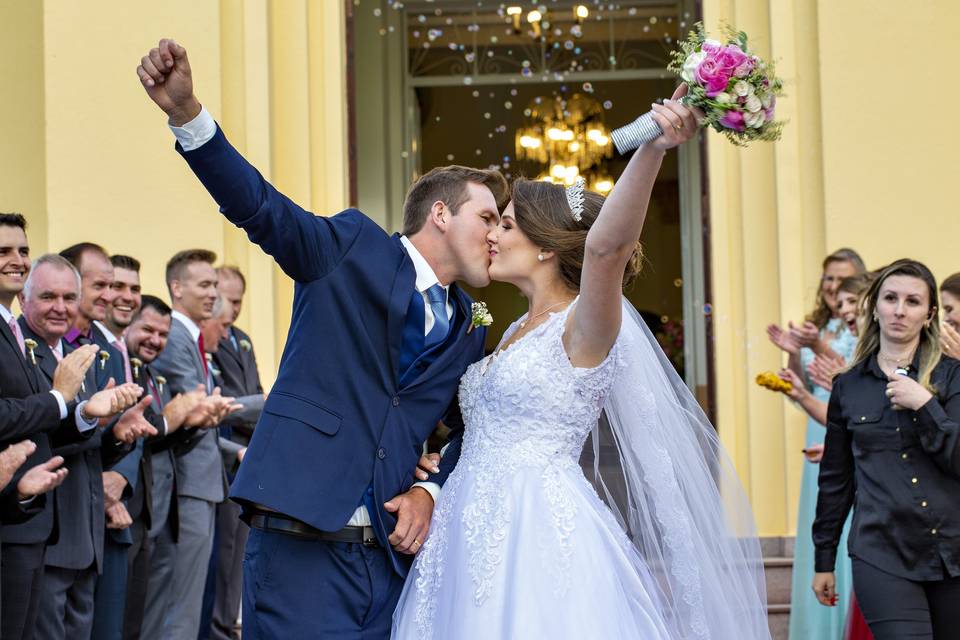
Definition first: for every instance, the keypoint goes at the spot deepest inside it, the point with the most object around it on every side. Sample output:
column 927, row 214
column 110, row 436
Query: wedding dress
column 522, row 545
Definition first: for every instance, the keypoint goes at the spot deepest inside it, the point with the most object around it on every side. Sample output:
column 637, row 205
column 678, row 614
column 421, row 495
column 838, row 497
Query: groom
column 378, row 341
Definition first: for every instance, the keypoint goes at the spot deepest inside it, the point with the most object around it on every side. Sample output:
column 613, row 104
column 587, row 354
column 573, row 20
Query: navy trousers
column 330, row 590
column 111, row 594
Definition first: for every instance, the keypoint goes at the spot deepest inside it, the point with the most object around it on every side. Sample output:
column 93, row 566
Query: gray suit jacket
column 199, row 471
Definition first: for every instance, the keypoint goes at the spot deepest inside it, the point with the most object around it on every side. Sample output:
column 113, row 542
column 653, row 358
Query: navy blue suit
column 342, row 416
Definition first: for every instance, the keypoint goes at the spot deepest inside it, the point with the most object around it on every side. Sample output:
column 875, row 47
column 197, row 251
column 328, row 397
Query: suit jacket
column 20, row 378
column 338, row 420
column 78, row 502
column 200, row 472
column 240, row 379
column 25, row 410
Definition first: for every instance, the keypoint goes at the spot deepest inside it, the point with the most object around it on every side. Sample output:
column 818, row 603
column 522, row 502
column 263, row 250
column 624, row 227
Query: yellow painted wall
column 867, row 160
column 86, row 156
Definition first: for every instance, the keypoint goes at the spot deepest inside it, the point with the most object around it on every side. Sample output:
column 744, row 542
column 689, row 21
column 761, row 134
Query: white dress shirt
column 198, row 132
column 82, row 425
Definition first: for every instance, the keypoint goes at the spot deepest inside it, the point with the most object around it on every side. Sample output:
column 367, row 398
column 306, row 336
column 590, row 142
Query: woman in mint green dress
column 824, row 332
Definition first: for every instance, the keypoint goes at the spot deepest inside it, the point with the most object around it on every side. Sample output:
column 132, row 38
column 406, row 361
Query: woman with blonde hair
column 893, row 455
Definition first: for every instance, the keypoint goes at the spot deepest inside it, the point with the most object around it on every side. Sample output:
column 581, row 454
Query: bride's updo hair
column 544, row 216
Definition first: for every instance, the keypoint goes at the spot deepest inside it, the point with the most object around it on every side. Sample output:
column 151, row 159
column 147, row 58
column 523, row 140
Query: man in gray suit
column 201, row 481
column 50, row 302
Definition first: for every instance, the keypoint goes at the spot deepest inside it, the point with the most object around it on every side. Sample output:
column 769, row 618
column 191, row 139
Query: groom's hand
column 165, row 75
column 414, row 510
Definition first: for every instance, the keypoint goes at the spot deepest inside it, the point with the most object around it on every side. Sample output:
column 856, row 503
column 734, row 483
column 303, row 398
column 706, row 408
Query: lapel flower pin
column 479, row 316
column 160, row 382
column 104, row 356
column 136, row 363
column 245, row 345
column 31, row 344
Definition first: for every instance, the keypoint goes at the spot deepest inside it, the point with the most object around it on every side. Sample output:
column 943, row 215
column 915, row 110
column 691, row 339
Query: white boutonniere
column 245, row 345
column 479, row 316
column 136, row 363
column 104, row 356
column 31, row 344
column 160, row 382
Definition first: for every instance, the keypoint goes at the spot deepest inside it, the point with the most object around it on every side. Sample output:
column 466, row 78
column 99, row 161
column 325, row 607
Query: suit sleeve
column 23, row 417
column 454, row 421
column 305, row 246
column 12, row 511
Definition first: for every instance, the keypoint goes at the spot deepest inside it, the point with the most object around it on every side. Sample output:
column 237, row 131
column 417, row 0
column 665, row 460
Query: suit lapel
column 403, row 286
column 15, row 347
column 452, row 348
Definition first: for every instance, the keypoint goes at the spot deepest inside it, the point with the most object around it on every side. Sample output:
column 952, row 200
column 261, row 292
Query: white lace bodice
column 525, row 408
column 528, row 404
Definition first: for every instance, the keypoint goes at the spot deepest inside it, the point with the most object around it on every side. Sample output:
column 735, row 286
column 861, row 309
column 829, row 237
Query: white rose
column 690, row 65
column 766, row 99
column 753, row 104
column 723, row 98
column 742, row 88
column 754, row 120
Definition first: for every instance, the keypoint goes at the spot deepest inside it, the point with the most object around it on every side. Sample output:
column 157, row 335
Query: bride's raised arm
column 613, row 237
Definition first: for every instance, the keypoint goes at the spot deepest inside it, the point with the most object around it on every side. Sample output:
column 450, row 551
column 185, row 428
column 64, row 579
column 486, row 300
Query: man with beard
column 153, row 505
column 50, row 302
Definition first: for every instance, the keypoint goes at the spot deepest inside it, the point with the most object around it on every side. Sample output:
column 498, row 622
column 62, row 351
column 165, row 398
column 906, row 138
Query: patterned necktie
column 15, row 328
column 441, row 323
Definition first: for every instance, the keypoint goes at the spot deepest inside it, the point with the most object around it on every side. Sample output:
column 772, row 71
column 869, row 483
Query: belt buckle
column 369, row 537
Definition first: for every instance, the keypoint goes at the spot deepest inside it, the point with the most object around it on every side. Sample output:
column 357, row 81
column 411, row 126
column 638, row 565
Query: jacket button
column 381, row 453
column 903, row 455
column 370, row 489
column 396, row 401
column 914, row 480
column 924, row 504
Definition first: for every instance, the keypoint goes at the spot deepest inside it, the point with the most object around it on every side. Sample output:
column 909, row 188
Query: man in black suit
column 50, row 302
column 33, row 407
column 236, row 364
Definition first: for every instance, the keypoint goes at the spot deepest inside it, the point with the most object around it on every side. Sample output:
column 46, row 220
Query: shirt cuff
column 197, row 132
column 82, row 425
column 60, row 403
column 431, row 487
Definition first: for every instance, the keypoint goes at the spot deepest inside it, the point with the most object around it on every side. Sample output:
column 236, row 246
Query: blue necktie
column 441, row 323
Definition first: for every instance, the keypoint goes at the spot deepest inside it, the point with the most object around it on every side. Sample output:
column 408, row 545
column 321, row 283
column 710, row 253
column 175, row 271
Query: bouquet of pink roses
column 736, row 90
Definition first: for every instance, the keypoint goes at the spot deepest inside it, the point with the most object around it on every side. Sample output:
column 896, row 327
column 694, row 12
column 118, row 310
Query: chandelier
column 568, row 135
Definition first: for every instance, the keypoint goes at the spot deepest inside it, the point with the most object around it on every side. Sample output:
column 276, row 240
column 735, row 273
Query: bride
column 659, row 541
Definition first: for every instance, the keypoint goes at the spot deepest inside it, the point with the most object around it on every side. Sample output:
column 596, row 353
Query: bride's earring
column 540, row 257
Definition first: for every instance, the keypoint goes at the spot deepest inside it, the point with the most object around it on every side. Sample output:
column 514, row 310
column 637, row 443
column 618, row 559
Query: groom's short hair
column 448, row 185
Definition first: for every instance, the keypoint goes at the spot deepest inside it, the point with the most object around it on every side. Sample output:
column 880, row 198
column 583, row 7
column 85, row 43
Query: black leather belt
column 283, row 524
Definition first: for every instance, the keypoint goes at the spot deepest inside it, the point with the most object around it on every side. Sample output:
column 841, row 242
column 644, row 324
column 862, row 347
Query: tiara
column 575, row 198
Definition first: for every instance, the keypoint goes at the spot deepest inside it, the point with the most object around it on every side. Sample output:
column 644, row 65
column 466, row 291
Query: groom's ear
column 439, row 214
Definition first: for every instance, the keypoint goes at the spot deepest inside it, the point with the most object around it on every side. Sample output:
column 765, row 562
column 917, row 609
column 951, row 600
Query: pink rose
column 731, row 57
column 710, row 47
column 733, row 120
column 744, row 69
column 712, row 76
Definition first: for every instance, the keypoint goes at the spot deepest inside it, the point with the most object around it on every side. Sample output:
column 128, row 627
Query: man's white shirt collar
column 190, row 324
column 426, row 277
column 6, row 314
column 112, row 339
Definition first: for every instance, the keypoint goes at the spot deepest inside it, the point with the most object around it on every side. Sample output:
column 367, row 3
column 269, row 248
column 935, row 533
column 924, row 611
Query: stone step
column 779, row 574
column 778, row 617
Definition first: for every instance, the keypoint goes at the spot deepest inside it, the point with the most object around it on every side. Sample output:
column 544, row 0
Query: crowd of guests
column 123, row 419
column 874, row 367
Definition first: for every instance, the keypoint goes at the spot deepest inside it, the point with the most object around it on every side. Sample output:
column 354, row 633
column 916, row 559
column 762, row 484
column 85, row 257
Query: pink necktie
column 15, row 328
column 120, row 344
column 56, row 353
